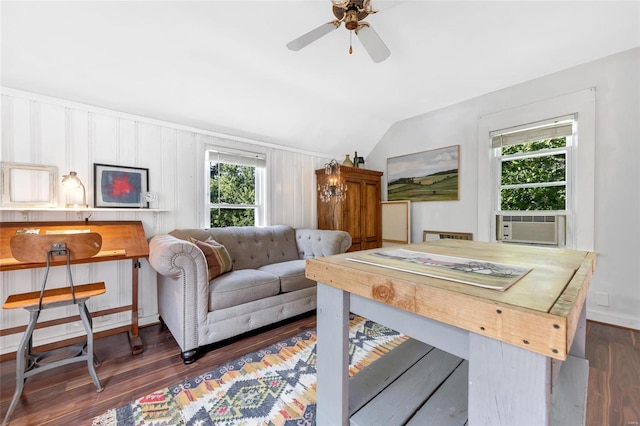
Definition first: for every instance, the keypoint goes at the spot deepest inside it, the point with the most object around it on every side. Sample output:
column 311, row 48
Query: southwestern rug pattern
column 275, row 386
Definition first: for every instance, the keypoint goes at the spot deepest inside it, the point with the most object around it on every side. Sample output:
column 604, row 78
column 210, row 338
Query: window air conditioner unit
column 549, row 230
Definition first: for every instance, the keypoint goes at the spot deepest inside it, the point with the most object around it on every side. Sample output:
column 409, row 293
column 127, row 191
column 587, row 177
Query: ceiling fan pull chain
column 350, row 46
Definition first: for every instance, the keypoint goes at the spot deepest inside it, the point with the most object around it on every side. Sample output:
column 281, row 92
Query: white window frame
column 244, row 158
column 498, row 159
column 581, row 229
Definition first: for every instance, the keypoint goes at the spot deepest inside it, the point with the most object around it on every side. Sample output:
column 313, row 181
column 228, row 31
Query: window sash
column 549, row 129
column 534, row 185
column 536, row 154
column 240, row 158
column 533, row 154
column 233, row 206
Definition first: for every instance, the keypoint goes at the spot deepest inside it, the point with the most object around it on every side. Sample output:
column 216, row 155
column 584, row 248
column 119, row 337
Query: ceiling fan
column 352, row 13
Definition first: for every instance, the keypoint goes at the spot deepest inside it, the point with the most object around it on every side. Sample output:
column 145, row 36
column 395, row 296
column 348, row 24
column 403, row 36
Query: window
column 533, row 167
column 579, row 108
column 236, row 188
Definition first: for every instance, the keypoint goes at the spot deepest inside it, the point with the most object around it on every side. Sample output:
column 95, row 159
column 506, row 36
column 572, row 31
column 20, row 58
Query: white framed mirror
column 29, row 185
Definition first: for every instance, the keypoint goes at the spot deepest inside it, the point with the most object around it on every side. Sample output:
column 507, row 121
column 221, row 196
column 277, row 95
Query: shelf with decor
column 33, row 188
column 82, row 212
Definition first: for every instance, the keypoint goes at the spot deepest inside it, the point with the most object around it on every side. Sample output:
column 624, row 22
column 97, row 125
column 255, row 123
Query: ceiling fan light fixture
column 351, row 20
column 352, row 13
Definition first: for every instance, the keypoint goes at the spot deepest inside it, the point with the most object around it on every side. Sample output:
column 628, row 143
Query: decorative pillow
column 216, row 255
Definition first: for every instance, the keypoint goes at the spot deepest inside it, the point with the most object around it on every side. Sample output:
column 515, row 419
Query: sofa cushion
column 291, row 275
column 250, row 247
column 241, row 286
column 217, row 257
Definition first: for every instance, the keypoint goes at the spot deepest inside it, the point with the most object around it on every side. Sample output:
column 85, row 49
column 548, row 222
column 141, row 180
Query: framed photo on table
column 120, row 186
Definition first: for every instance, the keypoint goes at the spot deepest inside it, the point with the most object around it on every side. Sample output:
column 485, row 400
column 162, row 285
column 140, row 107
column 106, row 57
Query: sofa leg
column 189, row 356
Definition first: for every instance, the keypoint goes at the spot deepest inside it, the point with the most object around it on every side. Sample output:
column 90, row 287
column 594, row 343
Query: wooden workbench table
column 514, row 340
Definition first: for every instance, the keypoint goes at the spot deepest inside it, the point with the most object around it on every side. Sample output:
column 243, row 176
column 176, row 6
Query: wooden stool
column 53, row 248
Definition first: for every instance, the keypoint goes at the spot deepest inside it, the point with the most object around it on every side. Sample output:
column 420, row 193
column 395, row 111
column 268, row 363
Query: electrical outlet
column 602, row 298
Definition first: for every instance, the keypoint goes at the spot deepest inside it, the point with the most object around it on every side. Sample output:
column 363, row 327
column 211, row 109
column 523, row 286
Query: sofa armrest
column 321, row 242
column 169, row 255
column 183, row 287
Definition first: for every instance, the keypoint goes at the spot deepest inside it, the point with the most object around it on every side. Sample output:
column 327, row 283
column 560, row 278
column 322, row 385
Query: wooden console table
column 515, row 341
column 121, row 240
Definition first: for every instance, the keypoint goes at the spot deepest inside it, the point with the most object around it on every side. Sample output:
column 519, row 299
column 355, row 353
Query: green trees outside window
column 533, row 176
column 233, row 195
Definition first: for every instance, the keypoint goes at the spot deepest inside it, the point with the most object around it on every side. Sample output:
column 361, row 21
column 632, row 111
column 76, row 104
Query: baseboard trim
column 613, row 319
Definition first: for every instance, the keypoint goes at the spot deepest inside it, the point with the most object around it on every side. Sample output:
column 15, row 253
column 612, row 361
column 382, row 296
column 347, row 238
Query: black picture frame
column 119, row 186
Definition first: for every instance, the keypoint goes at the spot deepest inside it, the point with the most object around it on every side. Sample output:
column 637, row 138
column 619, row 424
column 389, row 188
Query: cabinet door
column 329, row 213
column 351, row 212
column 371, row 230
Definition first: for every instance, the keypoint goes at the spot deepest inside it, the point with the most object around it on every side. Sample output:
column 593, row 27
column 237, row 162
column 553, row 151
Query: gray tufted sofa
column 266, row 285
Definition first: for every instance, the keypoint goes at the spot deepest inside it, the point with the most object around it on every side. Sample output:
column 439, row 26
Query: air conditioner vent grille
column 549, row 219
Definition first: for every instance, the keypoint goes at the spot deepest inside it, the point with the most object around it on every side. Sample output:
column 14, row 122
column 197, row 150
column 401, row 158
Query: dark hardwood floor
column 614, row 375
column 66, row 395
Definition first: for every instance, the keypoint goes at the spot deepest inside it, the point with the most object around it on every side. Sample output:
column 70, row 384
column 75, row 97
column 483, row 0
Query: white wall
column 72, row 136
column 616, row 80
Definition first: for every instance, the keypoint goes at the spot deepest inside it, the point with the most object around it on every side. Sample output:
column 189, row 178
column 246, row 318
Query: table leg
column 578, row 347
column 134, row 337
column 508, row 385
column 332, row 350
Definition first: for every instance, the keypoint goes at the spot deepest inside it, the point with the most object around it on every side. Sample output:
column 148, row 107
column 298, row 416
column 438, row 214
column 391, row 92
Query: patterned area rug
column 275, row 386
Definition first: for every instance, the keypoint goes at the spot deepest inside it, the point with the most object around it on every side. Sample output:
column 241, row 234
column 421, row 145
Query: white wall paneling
column 19, row 122
column 293, row 189
column 77, row 150
column 71, row 136
column 104, row 138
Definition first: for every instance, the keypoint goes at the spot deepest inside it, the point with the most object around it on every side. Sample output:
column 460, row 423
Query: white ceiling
column 224, row 67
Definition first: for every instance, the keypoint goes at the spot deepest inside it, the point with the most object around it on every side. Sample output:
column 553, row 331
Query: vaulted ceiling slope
column 223, row 65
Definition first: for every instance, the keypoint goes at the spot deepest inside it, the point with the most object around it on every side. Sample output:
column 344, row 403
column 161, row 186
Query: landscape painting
column 424, row 176
column 481, row 273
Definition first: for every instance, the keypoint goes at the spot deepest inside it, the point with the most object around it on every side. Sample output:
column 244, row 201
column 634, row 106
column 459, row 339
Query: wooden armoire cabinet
column 360, row 212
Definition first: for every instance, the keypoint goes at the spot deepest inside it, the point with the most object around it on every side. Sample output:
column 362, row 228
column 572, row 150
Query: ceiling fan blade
column 313, row 35
column 373, row 44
